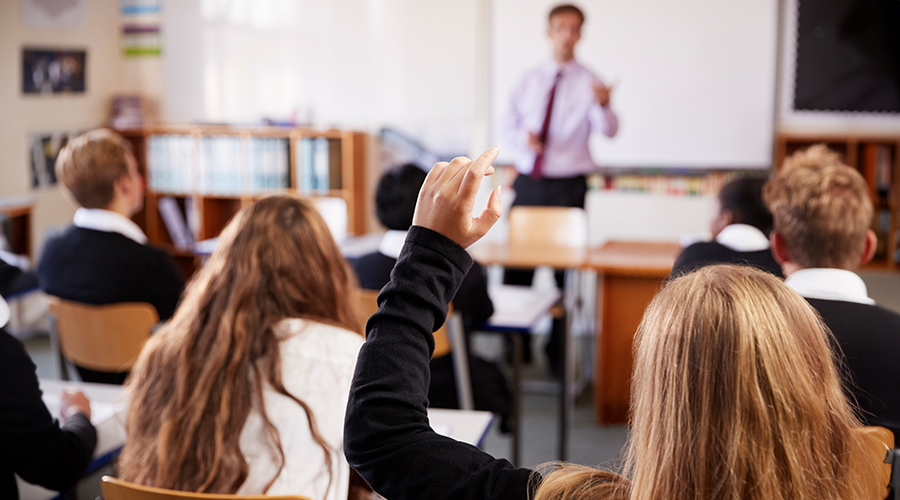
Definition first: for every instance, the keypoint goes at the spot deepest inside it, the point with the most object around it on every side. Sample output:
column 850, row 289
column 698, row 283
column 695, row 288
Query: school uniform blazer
column 32, row 444
column 100, row 267
column 712, row 252
column 869, row 338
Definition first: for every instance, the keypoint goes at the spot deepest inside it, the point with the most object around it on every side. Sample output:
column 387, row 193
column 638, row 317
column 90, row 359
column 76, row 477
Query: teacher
column 553, row 110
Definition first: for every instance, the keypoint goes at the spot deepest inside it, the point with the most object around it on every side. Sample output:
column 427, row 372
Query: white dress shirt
column 743, row 238
column 829, row 284
column 317, row 363
column 109, row 222
column 4, row 312
column 575, row 115
column 391, row 243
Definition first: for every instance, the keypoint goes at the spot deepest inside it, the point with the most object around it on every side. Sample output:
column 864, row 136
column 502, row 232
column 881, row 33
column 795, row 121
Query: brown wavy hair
column 735, row 396
column 199, row 376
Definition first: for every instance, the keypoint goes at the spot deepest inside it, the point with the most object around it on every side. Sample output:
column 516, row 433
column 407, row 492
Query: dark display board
column 848, row 56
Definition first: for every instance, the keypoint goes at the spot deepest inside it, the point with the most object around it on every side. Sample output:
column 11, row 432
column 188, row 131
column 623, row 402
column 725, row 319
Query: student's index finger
column 476, row 171
column 435, row 173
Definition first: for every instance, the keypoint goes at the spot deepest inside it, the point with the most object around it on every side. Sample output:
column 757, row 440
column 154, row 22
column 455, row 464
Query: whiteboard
column 696, row 77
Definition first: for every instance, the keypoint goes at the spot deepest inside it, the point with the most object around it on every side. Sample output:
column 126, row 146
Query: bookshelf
column 211, row 172
column 877, row 157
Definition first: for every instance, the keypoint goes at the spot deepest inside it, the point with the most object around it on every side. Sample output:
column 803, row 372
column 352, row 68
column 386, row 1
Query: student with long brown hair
column 735, row 392
column 244, row 390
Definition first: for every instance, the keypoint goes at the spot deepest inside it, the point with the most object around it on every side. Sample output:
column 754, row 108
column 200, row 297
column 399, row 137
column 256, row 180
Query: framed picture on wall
column 53, row 71
column 44, row 149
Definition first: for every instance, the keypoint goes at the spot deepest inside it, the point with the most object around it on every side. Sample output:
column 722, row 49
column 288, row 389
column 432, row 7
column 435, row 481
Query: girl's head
column 199, row 376
column 735, row 394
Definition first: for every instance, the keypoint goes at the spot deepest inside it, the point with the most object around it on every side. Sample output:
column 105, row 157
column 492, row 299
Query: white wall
column 696, row 77
column 107, row 74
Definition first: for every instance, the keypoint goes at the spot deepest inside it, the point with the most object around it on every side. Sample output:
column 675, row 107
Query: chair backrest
column 368, row 303
column 548, row 226
column 105, row 338
column 877, row 443
column 117, row 489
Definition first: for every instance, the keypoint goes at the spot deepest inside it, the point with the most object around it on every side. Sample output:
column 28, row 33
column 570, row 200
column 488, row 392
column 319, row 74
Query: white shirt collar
column 4, row 312
column 829, row 284
column 743, row 238
column 392, row 243
column 110, row 222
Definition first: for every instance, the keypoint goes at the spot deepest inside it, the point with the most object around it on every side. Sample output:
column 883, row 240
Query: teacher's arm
column 601, row 115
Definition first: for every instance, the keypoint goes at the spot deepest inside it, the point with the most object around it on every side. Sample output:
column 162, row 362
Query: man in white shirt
column 552, row 112
column 822, row 213
column 103, row 257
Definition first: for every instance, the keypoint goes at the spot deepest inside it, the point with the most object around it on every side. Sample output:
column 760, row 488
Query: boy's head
column 564, row 30
column 396, row 195
column 740, row 202
column 821, row 211
column 98, row 170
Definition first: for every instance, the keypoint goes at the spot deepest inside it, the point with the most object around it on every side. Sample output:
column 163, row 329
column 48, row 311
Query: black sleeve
column 472, row 299
column 168, row 284
column 34, row 446
column 387, row 437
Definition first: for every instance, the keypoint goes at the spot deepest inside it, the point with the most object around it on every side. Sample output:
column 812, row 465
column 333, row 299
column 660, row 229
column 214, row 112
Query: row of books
column 217, row 164
column 707, row 184
column 319, row 165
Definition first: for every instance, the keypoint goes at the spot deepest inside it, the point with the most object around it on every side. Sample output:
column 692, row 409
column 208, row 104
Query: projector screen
column 696, row 78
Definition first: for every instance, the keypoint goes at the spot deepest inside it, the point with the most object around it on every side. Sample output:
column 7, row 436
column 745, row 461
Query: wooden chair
column 117, row 489
column 564, row 227
column 449, row 336
column 105, row 338
column 877, row 442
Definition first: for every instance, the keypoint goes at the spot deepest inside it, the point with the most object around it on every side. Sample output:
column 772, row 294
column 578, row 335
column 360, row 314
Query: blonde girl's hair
column 199, row 376
column 735, row 396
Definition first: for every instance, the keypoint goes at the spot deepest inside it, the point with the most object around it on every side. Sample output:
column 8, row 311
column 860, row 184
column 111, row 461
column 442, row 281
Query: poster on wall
column 53, row 13
column 140, row 29
column 53, row 71
column 45, row 148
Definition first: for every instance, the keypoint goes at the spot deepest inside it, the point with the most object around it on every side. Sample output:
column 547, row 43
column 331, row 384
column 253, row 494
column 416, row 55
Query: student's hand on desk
column 447, row 199
column 72, row 402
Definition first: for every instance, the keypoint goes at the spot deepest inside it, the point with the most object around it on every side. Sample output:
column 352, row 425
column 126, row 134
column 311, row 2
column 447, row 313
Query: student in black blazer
column 822, row 213
column 740, row 231
column 34, row 446
column 103, row 257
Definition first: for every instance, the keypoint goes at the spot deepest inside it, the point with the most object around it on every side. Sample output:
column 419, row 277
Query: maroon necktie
column 545, row 127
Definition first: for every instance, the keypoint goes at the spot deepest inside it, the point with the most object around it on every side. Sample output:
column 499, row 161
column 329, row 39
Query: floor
column 588, row 444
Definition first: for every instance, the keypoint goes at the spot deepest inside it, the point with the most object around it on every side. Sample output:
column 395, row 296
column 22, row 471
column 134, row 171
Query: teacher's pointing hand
column 447, row 199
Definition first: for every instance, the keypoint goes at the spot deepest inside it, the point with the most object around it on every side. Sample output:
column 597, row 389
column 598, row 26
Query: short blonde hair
column 89, row 166
column 821, row 207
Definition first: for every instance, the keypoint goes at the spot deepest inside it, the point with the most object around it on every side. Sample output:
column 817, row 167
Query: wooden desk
column 532, row 256
column 18, row 209
column 629, row 275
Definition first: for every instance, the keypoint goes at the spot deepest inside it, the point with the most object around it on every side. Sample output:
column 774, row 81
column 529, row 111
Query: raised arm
column 387, row 437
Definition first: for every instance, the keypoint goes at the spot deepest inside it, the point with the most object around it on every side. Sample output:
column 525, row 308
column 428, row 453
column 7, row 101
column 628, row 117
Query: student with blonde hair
column 103, row 257
column 735, row 393
column 822, row 214
column 244, row 390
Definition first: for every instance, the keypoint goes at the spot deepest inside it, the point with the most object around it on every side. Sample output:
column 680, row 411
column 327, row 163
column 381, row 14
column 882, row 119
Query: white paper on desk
column 520, row 306
column 100, row 412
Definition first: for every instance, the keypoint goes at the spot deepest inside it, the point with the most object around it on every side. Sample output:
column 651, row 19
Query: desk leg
column 516, row 340
column 621, row 302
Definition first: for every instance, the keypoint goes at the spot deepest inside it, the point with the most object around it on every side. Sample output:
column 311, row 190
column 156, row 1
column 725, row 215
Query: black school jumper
column 387, row 438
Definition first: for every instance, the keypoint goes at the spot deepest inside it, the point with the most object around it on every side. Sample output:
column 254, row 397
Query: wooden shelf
column 215, row 209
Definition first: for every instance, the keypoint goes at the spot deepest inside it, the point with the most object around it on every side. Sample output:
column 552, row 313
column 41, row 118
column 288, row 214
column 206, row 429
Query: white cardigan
column 317, row 362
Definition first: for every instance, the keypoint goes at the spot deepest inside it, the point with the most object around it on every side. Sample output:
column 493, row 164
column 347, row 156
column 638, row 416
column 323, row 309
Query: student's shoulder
column 869, row 313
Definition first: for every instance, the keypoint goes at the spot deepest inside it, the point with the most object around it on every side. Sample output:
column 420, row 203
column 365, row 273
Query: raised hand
column 447, row 199
column 602, row 93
